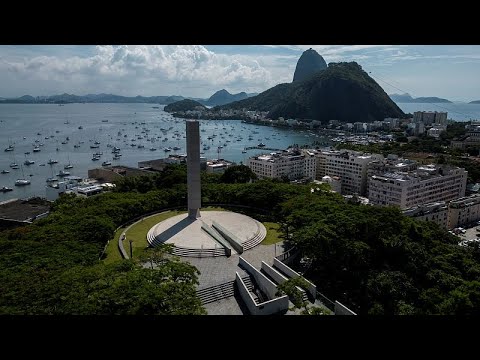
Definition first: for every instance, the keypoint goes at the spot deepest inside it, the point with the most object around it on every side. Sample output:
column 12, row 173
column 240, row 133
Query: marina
column 48, row 147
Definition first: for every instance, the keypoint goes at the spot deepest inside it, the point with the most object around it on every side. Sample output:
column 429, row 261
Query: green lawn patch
column 138, row 232
column 274, row 234
column 112, row 253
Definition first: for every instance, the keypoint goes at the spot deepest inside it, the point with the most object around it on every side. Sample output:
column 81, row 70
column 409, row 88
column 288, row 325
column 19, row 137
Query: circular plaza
column 214, row 233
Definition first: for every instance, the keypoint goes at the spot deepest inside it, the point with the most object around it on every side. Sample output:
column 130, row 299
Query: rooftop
column 422, row 173
column 23, row 210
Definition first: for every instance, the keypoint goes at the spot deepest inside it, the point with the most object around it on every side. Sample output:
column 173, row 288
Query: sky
column 451, row 72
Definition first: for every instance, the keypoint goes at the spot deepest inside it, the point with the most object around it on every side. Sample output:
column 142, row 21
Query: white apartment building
column 424, row 185
column 464, row 211
column 459, row 212
column 436, row 212
column 349, row 166
column 296, row 164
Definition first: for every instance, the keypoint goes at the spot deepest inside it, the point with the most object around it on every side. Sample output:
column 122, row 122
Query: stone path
column 217, row 270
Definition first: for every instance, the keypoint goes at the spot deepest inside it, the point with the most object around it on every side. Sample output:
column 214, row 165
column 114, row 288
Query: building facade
column 436, row 212
column 424, row 185
column 349, row 166
column 464, row 211
column 295, row 164
column 430, row 117
column 460, row 212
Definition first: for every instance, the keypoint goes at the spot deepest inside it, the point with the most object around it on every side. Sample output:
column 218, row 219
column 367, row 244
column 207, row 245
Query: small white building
column 218, row 165
column 334, row 182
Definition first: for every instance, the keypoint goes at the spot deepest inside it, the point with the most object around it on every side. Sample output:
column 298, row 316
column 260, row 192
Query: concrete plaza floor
column 187, row 233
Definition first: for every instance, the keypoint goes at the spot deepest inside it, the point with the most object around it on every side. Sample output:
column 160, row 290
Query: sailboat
column 51, row 179
column 22, row 181
column 69, row 165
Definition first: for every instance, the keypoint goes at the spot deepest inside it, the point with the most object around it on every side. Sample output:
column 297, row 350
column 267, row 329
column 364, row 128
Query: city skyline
column 199, row 71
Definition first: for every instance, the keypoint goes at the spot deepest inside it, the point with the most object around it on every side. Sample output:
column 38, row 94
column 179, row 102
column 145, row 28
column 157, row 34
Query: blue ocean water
column 20, row 125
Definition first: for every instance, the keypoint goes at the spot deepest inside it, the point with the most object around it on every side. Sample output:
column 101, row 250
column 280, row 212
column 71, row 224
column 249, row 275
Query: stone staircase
column 222, row 291
column 193, row 252
column 257, row 239
column 189, row 252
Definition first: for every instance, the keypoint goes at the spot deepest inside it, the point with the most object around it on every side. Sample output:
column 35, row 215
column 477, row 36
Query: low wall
column 269, row 307
column 120, row 246
column 341, row 309
column 312, row 289
column 245, row 295
column 274, row 274
column 232, row 239
column 288, row 256
column 264, row 283
column 217, row 237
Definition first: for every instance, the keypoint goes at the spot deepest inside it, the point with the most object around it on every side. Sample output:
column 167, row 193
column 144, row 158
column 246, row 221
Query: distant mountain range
column 406, row 98
column 219, row 98
column 475, row 102
column 223, row 97
column 343, row 91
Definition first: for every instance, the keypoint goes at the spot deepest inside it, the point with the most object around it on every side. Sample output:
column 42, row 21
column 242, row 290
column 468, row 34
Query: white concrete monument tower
column 193, row 169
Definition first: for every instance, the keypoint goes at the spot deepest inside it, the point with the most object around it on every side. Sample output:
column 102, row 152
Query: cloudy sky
column 451, row 72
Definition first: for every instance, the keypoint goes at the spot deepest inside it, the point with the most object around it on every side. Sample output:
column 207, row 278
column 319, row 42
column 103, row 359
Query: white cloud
column 156, row 67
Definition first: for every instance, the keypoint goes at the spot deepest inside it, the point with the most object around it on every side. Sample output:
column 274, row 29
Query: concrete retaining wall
column 269, row 307
column 341, row 309
column 312, row 289
column 264, row 283
column 227, row 235
column 218, row 238
column 245, row 295
column 120, row 246
column 274, row 274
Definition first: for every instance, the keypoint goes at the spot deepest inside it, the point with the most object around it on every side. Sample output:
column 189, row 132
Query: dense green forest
column 372, row 259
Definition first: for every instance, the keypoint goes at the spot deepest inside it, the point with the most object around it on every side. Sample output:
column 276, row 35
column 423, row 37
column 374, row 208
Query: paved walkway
column 220, row 269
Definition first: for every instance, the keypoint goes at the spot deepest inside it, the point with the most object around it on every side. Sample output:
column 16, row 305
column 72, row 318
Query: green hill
column 184, row 105
column 343, row 92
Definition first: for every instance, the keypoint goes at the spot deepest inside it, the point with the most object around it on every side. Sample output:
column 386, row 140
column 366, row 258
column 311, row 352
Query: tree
column 293, row 288
column 238, row 174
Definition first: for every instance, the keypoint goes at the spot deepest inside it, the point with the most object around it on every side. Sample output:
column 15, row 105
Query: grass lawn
column 138, row 233
column 112, row 253
column 274, row 234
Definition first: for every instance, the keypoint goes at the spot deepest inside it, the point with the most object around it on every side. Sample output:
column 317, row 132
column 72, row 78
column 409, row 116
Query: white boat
column 68, row 166
column 52, row 162
column 36, row 149
column 10, row 148
column 5, row 171
column 29, row 162
column 63, row 173
column 5, row 189
column 106, row 163
column 23, row 181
